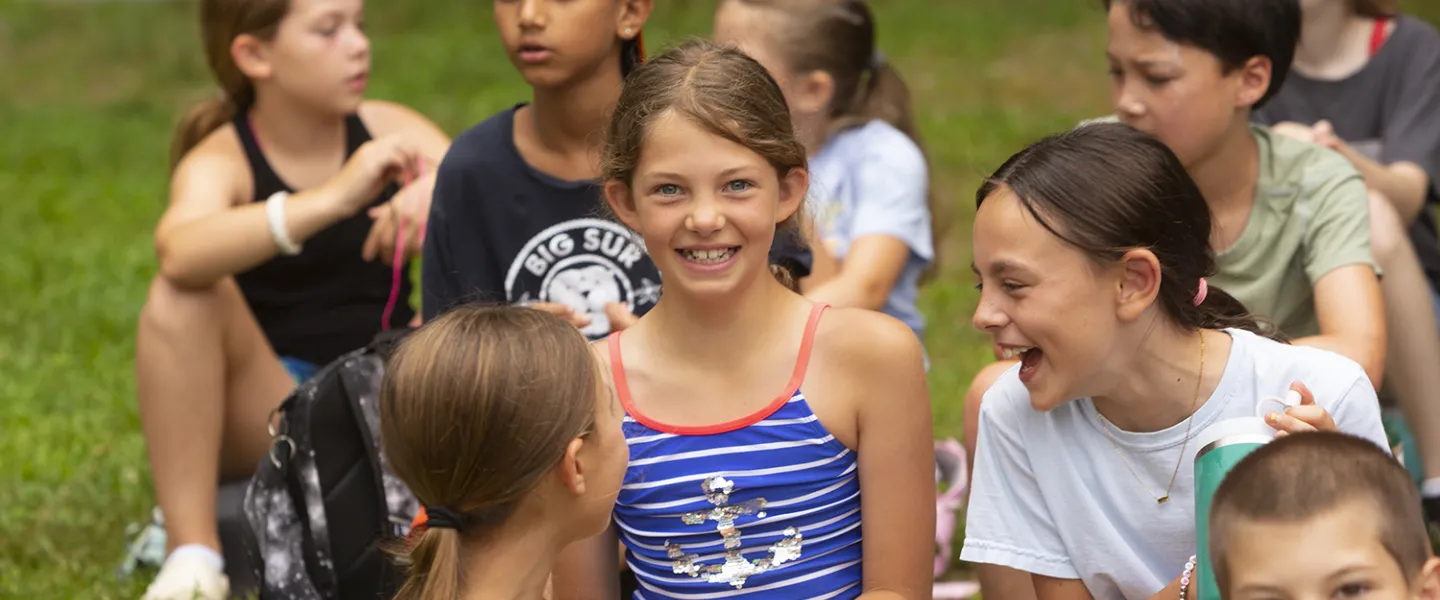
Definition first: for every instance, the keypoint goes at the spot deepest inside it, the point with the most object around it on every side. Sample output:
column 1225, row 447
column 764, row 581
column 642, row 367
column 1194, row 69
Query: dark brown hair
column 1376, row 9
column 838, row 38
column 221, row 21
column 720, row 89
column 475, row 407
column 1233, row 31
column 1107, row 189
column 1303, row 476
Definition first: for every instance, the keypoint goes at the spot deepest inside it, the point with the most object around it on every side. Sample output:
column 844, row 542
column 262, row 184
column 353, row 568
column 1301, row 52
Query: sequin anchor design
column 736, row 568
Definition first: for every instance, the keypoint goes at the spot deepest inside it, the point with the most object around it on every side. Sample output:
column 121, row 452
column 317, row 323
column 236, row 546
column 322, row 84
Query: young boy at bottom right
column 1321, row 515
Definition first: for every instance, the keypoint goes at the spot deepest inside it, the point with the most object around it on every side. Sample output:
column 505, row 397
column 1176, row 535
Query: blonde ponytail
column 434, row 566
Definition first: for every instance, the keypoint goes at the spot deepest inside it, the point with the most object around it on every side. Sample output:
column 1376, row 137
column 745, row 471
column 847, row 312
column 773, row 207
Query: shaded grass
column 92, row 91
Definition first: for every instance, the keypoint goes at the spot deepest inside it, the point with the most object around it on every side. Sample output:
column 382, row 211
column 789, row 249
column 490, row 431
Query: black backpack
column 323, row 505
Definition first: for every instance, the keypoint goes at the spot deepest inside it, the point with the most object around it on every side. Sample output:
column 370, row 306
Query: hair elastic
column 877, row 60
column 439, row 517
column 1202, row 292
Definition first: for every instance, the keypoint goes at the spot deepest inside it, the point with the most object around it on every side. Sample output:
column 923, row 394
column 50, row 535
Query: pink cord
column 397, row 265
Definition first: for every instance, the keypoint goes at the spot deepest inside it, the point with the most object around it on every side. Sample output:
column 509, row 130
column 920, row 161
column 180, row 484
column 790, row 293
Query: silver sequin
column 736, row 569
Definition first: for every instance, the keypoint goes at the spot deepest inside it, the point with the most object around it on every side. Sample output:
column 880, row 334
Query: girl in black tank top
column 326, row 301
column 275, row 253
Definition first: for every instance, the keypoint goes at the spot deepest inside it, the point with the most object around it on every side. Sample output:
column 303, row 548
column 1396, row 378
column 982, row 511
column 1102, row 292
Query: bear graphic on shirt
column 585, row 264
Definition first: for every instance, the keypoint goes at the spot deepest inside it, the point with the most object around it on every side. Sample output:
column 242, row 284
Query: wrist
column 1187, row 580
column 333, row 201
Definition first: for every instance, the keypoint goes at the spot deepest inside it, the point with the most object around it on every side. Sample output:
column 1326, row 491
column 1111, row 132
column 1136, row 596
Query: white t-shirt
column 1051, row 497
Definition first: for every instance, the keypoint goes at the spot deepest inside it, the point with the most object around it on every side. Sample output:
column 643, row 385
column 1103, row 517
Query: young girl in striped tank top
column 766, row 432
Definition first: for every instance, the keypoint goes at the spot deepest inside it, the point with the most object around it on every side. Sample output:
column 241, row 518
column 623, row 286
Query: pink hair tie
column 1202, row 292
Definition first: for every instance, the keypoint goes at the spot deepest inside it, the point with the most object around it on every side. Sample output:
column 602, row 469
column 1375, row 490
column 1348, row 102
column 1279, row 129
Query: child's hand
column 579, row 320
column 1304, row 417
column 1324, row 134
column 411, row 205
column 620, row 316
column 1295, row 130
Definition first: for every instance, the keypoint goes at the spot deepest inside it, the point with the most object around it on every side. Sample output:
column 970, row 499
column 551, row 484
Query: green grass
column 92, row 90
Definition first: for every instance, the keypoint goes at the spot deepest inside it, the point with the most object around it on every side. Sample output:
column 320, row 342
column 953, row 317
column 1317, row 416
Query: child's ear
column 793, row 187
column 251, row 56
column 1427, row 585
column 572, row 468
column 617, row 195
column 633, row 14
column 1254, row 81
column 813, row 92
column 1139, row 284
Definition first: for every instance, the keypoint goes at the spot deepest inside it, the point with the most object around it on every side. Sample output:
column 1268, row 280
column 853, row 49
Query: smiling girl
column 1092, row 250
column 753, row 486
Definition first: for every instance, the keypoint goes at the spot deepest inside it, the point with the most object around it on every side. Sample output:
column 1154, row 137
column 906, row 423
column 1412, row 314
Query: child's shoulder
column 218, row 161
column 489, row 143
column 875, row 140
column 1300, row 165
column 383, row 117
column 1419, row 33
column 868, row 340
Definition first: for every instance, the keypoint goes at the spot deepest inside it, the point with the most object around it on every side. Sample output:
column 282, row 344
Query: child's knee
column 169, row 307
column 973, row 396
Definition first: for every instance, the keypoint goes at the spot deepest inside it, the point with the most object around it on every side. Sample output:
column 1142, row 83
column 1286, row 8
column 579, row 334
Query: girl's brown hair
column 221, row 21
column 1107, row 189
column 475, row 407
column 718, row 88
column 838, row 37
column 1376, row 9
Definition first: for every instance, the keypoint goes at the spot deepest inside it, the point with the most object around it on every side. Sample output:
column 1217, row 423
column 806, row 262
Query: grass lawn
column 91, row 93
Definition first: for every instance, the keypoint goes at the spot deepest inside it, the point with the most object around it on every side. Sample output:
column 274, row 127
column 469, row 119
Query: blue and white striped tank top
column 766, row 506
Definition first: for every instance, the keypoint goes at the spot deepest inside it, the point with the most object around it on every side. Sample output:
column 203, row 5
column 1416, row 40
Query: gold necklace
column 1189, row 421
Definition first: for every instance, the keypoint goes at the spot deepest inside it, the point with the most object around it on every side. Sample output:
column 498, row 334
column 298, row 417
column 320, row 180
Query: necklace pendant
column 1162, row 500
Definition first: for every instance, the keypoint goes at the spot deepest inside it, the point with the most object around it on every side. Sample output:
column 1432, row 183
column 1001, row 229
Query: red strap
column 622, row 387
column 1377, row 36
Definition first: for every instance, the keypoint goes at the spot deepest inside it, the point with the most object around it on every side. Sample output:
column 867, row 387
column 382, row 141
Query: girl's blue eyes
column 737, row 186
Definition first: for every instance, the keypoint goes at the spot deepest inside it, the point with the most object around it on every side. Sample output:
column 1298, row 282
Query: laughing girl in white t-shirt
column 1092, row 248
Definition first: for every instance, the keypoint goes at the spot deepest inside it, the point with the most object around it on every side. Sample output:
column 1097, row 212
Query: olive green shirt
column 1310, row 217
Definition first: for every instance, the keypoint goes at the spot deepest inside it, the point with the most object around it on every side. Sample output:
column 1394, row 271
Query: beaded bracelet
column 1185, row 578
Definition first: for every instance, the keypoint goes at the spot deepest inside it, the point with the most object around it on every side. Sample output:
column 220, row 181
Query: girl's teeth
column 709, row 256
column 1010, row 353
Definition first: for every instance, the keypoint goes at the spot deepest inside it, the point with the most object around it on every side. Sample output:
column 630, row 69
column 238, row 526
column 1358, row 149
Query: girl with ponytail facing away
column 277, row 251
column 504, row 425
column 1092, row 253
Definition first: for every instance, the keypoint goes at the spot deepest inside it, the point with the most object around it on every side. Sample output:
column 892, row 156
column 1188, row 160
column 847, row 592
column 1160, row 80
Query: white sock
column 1431, row 488
column 200, row 552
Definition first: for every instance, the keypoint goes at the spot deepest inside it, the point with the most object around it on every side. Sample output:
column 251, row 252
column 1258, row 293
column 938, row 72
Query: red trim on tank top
column 1378, row 35
column 622, row 388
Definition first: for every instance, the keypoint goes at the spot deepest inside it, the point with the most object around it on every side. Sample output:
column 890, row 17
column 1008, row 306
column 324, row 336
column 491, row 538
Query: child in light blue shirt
column 870, row 182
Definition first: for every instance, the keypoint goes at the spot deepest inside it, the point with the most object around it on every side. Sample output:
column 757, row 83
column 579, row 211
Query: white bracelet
column 275, row 211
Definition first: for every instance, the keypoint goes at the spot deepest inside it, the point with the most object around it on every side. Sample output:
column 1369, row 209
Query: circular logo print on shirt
column 585, row 264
